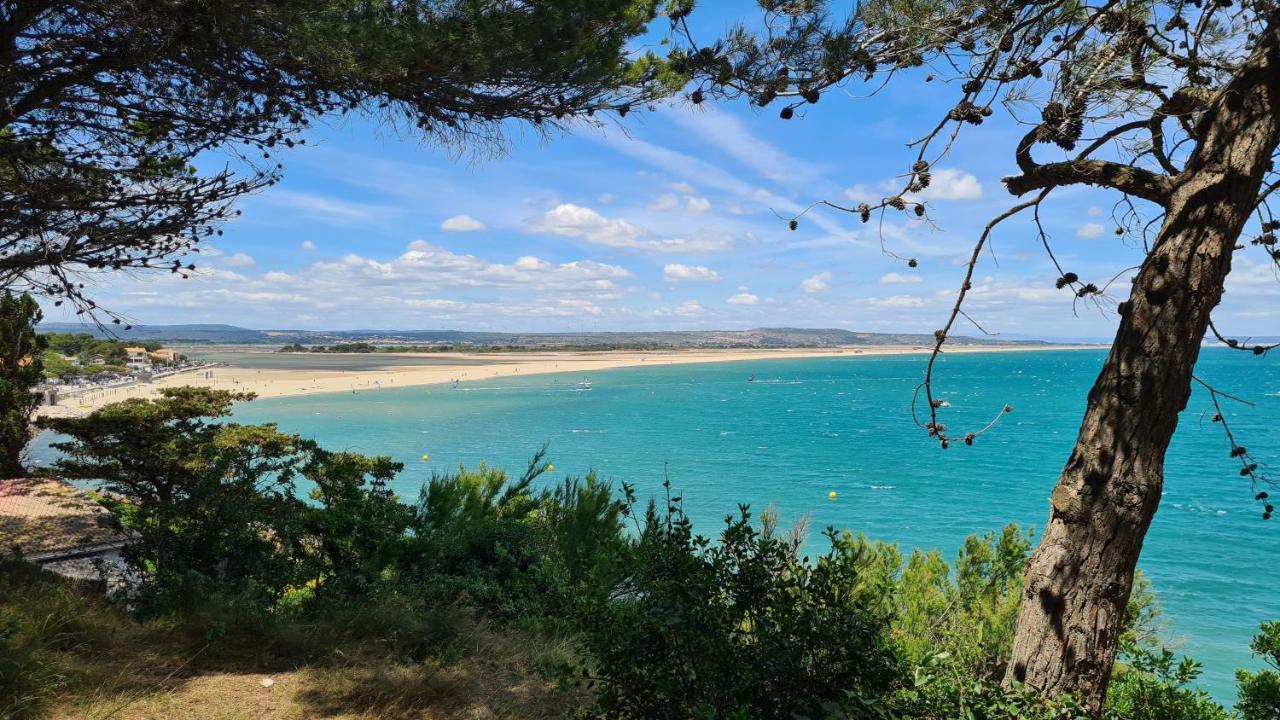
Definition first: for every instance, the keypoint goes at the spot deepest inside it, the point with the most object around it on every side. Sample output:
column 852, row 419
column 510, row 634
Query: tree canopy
column 131, row 126
column 21, row 369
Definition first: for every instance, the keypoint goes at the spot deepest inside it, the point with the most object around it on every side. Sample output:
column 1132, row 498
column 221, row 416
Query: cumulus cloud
column 951, row 184
column 944, row 184
column 675, row 272
column 816, row 283
column 1094, row 211
column 667, row 201
column 1090, row 230
column 696, row 204
column 238, row 260
column 894, row 278
column 461, row 223
column 423, row 282
column 307, row 245
column 689, row 308
column 582, row 223
column 529, row 262
column 743, row 298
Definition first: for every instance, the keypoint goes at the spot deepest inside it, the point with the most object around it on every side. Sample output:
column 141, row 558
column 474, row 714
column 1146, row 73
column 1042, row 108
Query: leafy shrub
column 1260, row 691
column 486, row 541
column 740, row 628
column 1154, row 684
column 214, row 506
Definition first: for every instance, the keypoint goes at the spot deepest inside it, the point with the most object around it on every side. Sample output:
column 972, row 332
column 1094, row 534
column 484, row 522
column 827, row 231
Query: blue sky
column 665, row 221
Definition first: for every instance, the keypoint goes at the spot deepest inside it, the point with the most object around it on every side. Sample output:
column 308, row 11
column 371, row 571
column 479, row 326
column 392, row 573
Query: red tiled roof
column 44, row 516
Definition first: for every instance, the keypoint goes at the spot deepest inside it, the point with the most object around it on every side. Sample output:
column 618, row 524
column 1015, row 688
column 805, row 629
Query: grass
column 67, row 653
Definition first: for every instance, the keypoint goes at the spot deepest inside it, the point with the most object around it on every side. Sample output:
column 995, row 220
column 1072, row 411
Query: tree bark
column 1079, row 579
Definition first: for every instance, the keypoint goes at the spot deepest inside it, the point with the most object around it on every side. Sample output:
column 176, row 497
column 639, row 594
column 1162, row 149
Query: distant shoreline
column 448, row 367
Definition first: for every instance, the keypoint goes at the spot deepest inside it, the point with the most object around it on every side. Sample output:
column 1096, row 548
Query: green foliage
column 215, row 506
column 937, row 692
column 497, row 544
column 742, row 628
column 21, row 369
column 1260, row 691
column 359, row 524
column 86, row 346
column 1154, row 684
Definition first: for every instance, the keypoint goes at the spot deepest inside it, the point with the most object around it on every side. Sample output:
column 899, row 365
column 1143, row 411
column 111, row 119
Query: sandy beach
column 463, row 367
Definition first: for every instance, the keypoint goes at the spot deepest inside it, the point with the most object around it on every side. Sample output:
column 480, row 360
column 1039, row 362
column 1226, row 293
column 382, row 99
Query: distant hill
column 221, row 334
column 757, row 338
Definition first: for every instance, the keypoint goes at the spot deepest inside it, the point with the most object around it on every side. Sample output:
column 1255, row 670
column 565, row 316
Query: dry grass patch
column 81, row 657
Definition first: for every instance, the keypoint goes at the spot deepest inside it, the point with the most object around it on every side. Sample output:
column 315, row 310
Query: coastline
column 466, row 367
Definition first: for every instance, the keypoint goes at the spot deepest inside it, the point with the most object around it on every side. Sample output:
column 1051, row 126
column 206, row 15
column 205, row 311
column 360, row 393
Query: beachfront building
column 164, row 355
column 51, row 523
column 138, row 360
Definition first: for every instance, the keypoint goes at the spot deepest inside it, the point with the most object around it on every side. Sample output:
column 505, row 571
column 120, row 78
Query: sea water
column 806, row 427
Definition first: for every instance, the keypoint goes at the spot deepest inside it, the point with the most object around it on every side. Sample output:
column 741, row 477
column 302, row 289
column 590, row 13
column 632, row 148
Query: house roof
column 48, row 517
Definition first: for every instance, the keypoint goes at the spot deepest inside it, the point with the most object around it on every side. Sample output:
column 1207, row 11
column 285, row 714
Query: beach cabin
column 53, row 524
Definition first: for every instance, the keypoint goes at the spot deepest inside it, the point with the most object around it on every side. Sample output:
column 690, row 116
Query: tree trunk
column 1079, row 579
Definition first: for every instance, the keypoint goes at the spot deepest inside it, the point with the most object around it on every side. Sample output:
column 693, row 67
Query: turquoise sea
column 810, row 426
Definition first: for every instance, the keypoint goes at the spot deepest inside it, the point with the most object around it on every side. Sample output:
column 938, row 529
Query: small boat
column 585, row 384
column 751, row 378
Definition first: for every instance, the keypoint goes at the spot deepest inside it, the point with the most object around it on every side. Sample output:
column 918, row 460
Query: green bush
column 1260, row 691
column 1151, row 684
column 742, row 628
column 483, row 540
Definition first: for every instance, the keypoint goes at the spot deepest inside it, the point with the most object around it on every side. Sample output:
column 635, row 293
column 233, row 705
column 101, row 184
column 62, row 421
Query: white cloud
column 1094, row 211
column 689, row 307
column 951, row 184
column 663, row 202
column 743, row 298
column 307, row 245
column 575, row 221
column 862, row 194
column 461, row 223
column 238, row 260
column 898, row 301
column 676, row 272
column 1090, row 230
column 816, row 283
column 606, row 198
column 434, row 304
column 681, row 187
column 696, row 204
column 529, row 262
column 894, row 278
column 945, row 184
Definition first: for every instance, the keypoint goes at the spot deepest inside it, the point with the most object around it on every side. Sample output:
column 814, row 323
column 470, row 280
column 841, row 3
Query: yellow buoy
column 550, row 467
column 426, row 458
column 831, row 495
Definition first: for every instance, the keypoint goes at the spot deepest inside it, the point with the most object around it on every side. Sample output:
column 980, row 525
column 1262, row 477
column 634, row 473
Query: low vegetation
column 265, row 558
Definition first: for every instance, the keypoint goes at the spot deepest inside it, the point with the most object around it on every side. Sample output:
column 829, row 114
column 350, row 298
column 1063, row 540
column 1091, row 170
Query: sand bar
column 465, row 367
